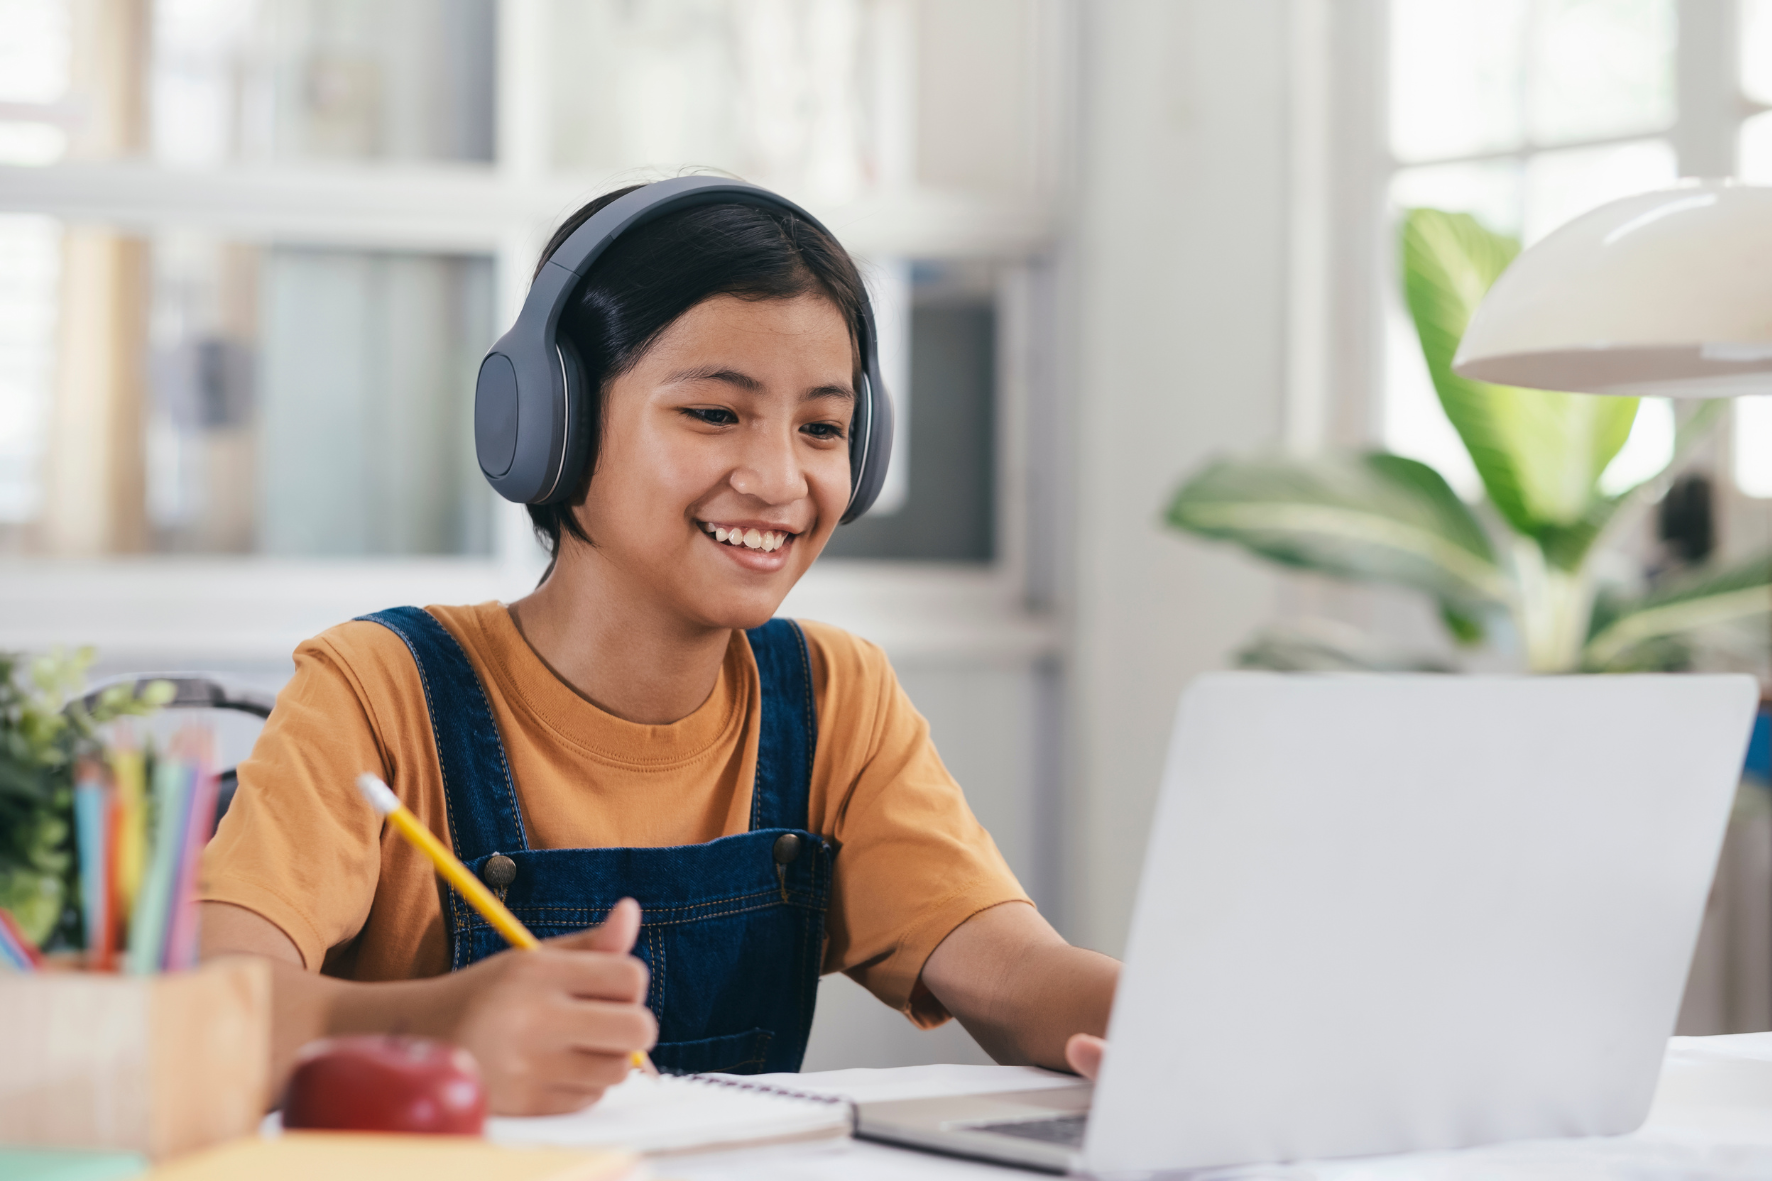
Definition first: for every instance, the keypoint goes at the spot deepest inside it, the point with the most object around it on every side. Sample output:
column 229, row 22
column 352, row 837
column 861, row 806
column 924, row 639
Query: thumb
column 616, row 935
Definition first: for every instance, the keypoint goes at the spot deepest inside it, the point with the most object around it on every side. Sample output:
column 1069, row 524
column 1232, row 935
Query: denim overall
column 732, row 931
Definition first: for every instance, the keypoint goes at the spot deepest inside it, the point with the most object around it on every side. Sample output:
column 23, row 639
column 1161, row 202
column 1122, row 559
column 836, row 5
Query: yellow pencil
column 382, row 798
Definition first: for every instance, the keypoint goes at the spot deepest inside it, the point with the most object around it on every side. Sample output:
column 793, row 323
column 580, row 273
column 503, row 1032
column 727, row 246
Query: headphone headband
column 530, row 398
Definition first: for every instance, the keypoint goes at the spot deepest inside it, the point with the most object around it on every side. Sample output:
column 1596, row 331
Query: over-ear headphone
column 530, row 400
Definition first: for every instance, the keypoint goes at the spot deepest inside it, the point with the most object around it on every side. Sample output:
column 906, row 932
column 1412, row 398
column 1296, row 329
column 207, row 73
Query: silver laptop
column 1392, row 913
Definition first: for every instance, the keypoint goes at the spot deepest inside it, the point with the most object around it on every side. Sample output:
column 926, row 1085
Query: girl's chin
column 743, row 590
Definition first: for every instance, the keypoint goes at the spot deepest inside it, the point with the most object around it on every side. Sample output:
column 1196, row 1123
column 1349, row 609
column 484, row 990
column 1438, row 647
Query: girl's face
column 724, row 461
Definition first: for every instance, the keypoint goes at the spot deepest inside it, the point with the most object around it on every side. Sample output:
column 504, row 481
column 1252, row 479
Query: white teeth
column 767, row 541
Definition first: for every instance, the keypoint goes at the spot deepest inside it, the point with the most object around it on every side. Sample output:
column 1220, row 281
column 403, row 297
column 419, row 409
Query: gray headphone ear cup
column 871, row 438
column 495, row 415
column 577, row 431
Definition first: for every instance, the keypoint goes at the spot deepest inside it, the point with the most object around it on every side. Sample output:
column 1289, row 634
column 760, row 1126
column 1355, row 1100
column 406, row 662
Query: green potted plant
column 1525, row 554
column 45, row 726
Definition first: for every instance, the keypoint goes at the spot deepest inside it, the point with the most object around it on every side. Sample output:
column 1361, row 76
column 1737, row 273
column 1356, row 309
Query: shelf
column 167, row 612
column 462, row 208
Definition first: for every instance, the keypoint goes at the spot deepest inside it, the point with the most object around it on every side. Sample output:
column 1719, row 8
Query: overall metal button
column 787, row 848
column 499, row 871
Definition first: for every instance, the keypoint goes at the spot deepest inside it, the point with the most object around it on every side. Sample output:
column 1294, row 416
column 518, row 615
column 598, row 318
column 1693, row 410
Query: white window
column 1527, row 113
column 1523, row 113
column 244, row 287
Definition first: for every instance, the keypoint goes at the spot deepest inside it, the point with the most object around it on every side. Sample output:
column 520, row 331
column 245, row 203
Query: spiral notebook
column 684, row 1113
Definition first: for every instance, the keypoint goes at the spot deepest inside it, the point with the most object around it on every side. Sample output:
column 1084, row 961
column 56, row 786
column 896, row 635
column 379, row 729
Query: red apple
column 385, row 1083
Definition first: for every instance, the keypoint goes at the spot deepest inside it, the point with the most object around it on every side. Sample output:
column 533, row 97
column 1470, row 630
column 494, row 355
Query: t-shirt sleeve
column 298, row 845
column 913, row 863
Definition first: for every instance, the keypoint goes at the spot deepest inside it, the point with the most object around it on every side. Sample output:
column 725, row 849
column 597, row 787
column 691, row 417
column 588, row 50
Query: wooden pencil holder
column 154, row 1064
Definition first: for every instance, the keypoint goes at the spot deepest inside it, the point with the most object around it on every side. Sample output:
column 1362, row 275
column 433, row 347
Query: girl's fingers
column 619, row 930
column 553, row 1080
column 572, row 1070
column 595, row 975
column 1083, row 1054
column 602, row 1027
column 616, row 934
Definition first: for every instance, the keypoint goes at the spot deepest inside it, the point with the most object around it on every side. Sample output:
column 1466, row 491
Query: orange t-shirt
column 300, row 848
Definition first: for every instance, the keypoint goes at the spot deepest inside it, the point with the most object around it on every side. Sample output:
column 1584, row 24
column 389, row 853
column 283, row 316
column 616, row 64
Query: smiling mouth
column 763, row 540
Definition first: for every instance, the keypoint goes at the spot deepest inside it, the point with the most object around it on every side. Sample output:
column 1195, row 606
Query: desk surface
column 1712, row 1118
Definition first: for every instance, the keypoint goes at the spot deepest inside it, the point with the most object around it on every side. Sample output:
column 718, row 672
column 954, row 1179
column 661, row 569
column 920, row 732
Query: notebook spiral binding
column 713, row 1080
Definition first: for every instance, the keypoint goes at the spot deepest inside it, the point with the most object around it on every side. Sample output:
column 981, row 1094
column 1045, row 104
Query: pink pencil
column 181, row 940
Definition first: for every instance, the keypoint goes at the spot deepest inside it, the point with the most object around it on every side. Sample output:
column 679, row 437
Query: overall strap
column 789, row 729
column 482, row 802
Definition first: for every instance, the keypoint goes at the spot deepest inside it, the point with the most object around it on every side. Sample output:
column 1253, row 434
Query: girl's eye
column 712, row 415
column 823, row 430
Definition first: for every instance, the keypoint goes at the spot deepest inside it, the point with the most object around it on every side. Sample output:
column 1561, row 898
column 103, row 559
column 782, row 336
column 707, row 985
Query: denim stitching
column 757, row 773
column 652, row 910
column 760, row 1056
column 479, row 924
column 659, row 937
column 811, row 716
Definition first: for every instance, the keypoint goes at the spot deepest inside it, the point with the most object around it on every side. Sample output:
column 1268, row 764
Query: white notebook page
column 669, row 1114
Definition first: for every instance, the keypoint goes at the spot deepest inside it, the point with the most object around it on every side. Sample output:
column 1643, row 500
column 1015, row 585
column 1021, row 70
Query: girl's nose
column 769, row 470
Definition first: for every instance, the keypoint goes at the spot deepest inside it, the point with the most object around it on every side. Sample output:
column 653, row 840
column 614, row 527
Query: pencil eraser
column 380, row 796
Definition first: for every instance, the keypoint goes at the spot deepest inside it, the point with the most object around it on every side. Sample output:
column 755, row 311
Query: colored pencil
column 92, row 831
column 16, row 951
column 151, row 921
column 129, row 769
column 181, row 939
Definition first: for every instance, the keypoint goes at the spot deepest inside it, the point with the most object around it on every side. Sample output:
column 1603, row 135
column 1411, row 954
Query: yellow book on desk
column 369, row 1156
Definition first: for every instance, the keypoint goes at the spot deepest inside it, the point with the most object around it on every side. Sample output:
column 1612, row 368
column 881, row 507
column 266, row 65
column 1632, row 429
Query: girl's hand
column 554, row 1028
column 1082, row 1053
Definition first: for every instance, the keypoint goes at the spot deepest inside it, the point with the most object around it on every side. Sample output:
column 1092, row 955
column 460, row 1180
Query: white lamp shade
column 1666, row 293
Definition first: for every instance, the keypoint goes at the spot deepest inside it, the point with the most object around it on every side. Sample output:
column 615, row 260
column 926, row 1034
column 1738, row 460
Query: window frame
column 144, row 609
column 1343, row 249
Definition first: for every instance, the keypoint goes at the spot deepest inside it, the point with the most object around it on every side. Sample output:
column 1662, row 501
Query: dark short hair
column 654, row 273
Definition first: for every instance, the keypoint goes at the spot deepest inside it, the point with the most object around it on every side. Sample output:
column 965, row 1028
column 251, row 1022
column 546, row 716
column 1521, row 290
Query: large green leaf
column 1738, row 595
column 1370, row 518
column 1540, row 454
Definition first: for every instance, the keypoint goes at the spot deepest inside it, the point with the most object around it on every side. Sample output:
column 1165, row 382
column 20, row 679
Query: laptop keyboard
column 1060, row 1129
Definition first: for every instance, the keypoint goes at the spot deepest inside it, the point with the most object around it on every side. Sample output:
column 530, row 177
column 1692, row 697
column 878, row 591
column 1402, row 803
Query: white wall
column 983, row 716
column 1178, row 259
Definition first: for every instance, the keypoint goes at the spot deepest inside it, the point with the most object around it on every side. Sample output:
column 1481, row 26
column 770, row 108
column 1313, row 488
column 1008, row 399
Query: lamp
column 1663, row 294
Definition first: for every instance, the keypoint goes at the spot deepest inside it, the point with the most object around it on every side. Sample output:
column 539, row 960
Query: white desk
column 1712, row 1119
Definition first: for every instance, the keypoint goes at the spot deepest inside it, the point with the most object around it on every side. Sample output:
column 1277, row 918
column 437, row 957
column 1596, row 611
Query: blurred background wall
column 252, row 250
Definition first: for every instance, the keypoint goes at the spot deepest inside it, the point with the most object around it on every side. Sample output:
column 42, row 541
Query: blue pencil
column 92, row 835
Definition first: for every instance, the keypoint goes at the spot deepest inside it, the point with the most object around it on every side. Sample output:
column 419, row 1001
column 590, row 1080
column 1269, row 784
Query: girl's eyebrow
column 749, row 384
column 743, row 381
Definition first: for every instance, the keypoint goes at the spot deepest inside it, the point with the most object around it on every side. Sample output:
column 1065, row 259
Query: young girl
column 699, row 807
